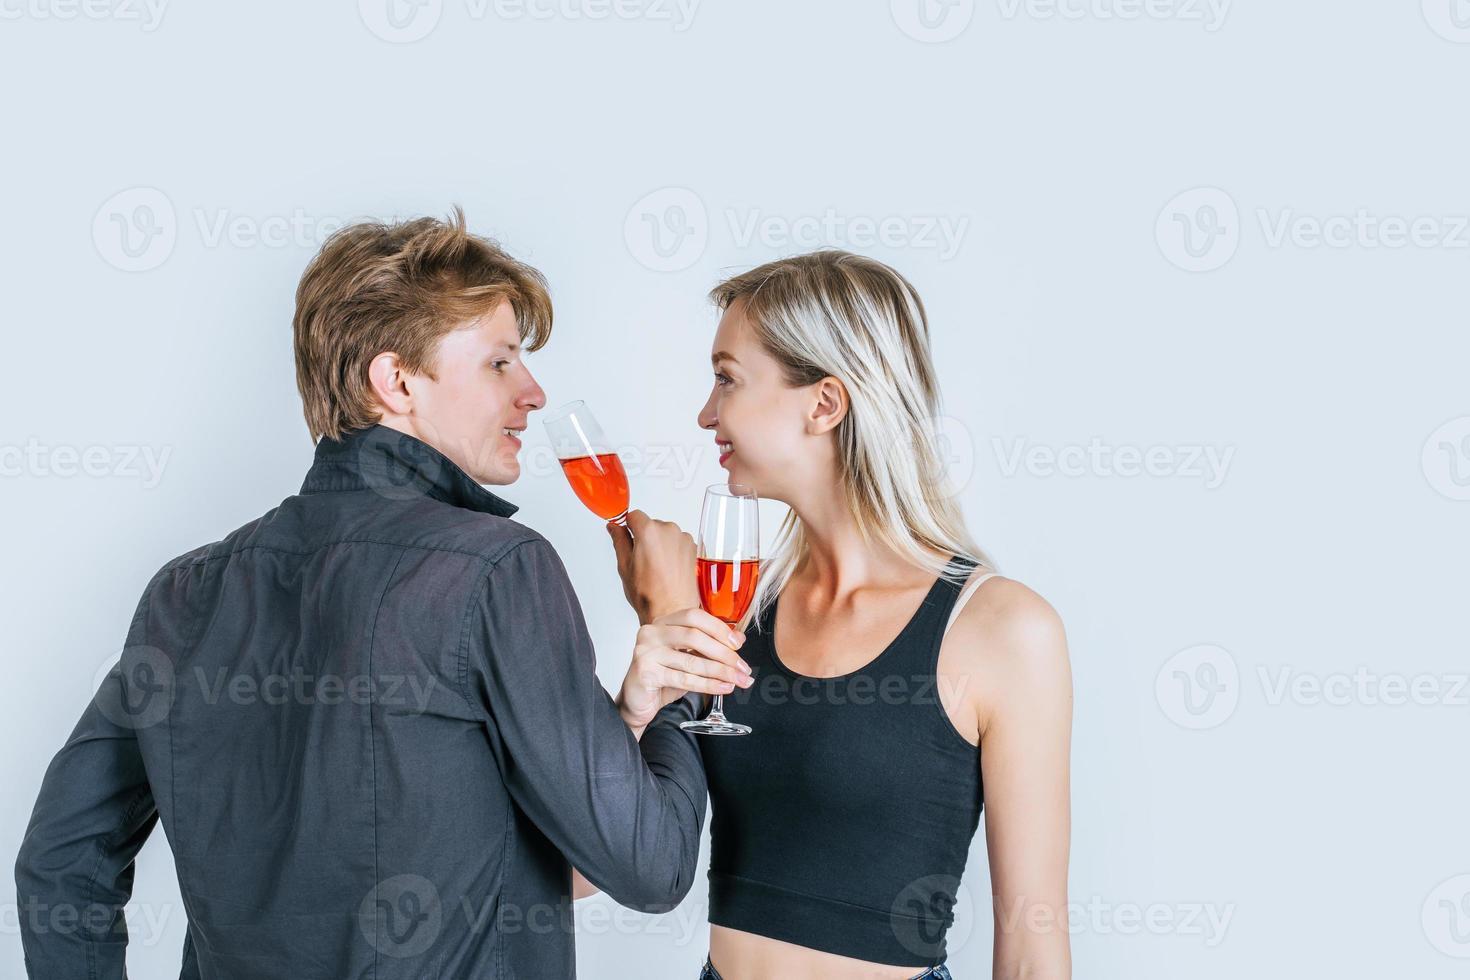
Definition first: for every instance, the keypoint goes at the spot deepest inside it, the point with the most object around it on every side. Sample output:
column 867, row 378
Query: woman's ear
column 829, row 406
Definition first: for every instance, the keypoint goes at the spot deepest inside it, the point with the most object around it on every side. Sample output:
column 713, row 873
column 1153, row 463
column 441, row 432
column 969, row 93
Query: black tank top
column 843, row 821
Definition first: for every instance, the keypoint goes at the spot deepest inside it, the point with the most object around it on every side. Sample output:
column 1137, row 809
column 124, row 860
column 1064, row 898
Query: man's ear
column 389, row 382
column 829, row 406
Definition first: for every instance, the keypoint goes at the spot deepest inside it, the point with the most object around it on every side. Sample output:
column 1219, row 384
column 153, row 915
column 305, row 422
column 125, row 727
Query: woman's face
column 759, row 422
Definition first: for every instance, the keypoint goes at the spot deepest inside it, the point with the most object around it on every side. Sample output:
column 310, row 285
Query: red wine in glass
column 727, row 587
column 728, row 565
column 591, row 467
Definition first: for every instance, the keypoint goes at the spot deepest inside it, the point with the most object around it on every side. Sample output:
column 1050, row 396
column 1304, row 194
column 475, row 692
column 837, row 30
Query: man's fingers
column 622, row 542
column 637, row 521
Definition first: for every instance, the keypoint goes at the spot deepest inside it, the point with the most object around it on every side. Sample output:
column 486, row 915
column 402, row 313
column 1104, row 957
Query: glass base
column 714, row 724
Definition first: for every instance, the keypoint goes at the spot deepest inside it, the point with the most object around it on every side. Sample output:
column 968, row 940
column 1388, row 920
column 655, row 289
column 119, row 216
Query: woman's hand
column 688, row 650
column 656, row 564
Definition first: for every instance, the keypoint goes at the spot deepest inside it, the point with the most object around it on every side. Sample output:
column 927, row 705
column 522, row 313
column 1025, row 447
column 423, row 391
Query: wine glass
column 728, row 564
column 592, row 468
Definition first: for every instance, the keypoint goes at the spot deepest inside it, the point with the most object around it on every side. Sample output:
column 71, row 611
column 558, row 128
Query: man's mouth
column 513, row 434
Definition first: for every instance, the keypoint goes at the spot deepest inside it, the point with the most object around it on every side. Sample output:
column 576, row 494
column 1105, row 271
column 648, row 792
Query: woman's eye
column 721, row 379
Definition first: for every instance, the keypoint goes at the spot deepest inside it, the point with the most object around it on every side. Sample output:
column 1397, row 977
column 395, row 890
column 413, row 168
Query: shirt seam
column 373, row 746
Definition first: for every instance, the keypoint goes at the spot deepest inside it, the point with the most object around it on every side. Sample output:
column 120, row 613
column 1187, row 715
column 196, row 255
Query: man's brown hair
column 398, row 287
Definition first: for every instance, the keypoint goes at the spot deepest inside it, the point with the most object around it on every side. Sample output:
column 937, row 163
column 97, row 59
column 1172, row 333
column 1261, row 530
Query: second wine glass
column 591, row 467
column 728, row 564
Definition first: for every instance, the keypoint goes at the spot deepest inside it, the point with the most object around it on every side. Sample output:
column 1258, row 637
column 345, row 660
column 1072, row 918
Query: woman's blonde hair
column 833, row 313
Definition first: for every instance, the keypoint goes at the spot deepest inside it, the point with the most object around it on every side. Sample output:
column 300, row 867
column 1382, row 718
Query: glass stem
column 717, row 709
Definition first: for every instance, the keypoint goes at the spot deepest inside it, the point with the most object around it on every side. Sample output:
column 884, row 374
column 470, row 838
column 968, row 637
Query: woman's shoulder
column 1006, row 626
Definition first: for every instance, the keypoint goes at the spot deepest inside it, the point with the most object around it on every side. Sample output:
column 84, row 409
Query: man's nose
column 532, row 398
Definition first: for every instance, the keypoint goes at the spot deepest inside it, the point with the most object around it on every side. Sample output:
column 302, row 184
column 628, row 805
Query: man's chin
column 501, row 473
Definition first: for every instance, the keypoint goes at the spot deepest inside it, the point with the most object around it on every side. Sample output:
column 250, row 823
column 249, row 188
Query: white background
column 1131, row 191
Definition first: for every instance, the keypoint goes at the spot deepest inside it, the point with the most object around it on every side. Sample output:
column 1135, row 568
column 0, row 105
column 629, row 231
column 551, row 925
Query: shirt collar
column 398, row 466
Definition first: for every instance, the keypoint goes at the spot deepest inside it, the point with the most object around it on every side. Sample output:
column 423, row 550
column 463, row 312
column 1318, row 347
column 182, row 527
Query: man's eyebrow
column 510, row 347
column 723, row 355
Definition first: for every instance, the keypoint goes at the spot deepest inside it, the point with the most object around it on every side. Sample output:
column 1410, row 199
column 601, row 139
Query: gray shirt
column 370, row 725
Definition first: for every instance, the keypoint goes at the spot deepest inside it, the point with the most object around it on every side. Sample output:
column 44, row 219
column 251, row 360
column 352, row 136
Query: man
column 369, row 720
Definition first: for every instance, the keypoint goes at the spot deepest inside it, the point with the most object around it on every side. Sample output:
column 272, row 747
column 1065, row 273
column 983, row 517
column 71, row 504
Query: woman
column 886, row 655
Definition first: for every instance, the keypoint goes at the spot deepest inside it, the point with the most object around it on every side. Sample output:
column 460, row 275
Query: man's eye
column 499, row 366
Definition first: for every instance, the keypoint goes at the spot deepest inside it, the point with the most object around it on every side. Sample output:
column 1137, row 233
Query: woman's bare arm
column 1022, row 695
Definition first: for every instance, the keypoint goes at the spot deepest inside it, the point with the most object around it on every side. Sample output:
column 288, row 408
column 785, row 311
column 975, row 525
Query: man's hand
column 656, row 564
column 689, row 650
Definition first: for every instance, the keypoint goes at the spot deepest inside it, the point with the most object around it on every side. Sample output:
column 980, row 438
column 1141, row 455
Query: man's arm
column 626, row 813
column 74, row 873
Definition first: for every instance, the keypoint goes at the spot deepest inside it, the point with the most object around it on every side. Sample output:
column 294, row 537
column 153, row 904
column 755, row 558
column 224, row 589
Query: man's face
column 483, row 389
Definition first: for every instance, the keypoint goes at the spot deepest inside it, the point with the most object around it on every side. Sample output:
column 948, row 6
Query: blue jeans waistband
column 940, row 972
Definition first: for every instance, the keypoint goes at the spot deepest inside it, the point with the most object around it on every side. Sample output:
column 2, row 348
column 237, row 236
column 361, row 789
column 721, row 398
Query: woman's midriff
column 745, row 956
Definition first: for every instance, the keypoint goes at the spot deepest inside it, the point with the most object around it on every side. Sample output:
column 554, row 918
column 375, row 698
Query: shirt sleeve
column 625, row 813
column 74, row 872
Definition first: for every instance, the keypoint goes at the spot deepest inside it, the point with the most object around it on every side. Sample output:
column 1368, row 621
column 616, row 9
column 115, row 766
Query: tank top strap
column 919, row 644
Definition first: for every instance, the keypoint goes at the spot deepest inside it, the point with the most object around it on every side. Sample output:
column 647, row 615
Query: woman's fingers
column 697, row 618
column 691, row 663
column 685, row 681
column 700, row 642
